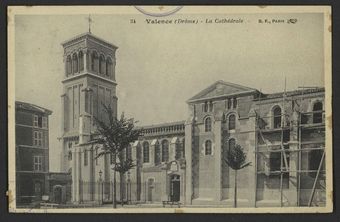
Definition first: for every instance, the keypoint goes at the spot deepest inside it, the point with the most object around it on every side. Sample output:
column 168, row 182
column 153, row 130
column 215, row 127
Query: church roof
column 88, row 35
column 298, row 92
column 221, row 89
column 161, row 125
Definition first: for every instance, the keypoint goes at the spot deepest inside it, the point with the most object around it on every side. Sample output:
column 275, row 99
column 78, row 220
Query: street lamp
column 100, row 175
column 129, row 187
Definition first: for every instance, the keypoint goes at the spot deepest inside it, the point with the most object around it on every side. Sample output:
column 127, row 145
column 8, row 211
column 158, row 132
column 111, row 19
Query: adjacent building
column 32, row 152
column 283, row 135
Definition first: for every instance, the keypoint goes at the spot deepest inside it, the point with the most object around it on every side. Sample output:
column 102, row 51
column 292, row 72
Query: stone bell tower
column 89, row 81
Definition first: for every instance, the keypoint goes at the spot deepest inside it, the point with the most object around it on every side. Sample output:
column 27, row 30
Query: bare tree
column 115, row 135
column 236, row 159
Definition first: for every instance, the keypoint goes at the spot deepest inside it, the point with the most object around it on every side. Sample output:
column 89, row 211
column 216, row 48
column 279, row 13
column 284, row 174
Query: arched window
column 231, row 122
column 94, row 61
column 146, row 152
column 68, row 65
column 179, row 150
column 165, row 151
column 157, row 153
column 75, row 63
column 109, row 66
column 208, row 148
column 317, row 112
column 207, row 124
column 81, row 61
column 277, row 117
column 231, row 144
column 102, row 64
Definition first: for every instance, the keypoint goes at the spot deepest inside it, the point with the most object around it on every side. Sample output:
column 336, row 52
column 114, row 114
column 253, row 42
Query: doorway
column 57, row 194
column 38, row 190
column 175, row 188
column 151, row 186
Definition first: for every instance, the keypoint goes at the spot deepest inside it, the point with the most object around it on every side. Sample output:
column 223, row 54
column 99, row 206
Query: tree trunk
column 235, row 192
column 121, row 188
column 114, row 198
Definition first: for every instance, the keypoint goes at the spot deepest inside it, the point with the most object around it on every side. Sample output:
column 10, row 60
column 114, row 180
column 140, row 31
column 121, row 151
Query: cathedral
column 282, row 134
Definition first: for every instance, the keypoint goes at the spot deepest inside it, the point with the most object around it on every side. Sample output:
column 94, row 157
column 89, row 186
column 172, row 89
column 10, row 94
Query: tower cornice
column 89, row 36
column 88, row 75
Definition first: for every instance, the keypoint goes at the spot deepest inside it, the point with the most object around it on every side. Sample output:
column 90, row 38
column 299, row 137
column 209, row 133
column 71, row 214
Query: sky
column 159, row 67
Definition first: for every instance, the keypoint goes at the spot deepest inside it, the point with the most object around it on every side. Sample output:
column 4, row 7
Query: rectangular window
column 206, row 107
column 85, row 158
column 37, row 138
column 44, row 122
column 46, row 139
column 91, row 109
column 229, row 103
column 108, row 97
column 234, row 103
column 211, row 106
column 101, row 100
column 40, row 122
column 275, row 161
column 35, row 120
column 314, row 161
column 44, row 143
column 74, row 106
column 37, row 163
column 95, row 101
column 40, row 138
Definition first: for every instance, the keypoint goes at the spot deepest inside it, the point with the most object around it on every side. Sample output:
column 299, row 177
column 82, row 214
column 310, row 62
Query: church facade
column 282, row 134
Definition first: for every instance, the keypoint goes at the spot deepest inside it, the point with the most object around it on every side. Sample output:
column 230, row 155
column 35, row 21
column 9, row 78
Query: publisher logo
column 158, row 11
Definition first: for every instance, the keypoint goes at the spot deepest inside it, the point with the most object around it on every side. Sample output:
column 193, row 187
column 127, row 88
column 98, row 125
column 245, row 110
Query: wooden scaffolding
column 283, row 147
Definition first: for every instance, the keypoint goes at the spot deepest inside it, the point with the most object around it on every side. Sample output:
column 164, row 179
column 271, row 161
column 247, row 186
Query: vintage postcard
column 158, row 109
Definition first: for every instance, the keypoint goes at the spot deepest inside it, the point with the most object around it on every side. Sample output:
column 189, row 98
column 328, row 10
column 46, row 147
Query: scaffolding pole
column 283, row 157
column 318, row 171
column 256, row 147
column 316, row 179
